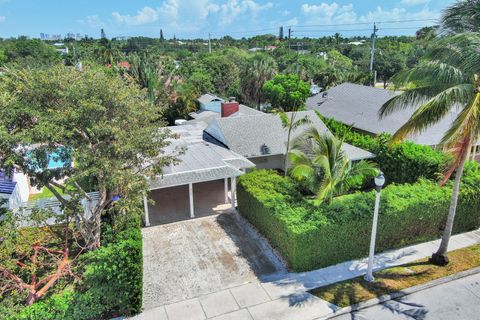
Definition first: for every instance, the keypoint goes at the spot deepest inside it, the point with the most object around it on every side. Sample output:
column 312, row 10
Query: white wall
column 22, row 185
column 268, row 162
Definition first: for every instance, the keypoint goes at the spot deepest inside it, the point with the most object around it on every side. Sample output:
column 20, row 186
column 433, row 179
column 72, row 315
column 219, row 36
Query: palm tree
column 463, row 16
column 319, row 161
column 450, row 79
column 255, row 73
column 290, row 123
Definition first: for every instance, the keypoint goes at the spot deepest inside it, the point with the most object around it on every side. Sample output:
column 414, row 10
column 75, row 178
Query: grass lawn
column 44, row 193
column 395, row 279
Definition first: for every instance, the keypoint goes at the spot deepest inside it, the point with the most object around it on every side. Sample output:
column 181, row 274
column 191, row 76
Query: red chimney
column 229, row 108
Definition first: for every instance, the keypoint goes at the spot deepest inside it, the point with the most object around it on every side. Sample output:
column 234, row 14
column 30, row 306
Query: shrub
column 312, row 237
column 111, row 283
column 401, row 163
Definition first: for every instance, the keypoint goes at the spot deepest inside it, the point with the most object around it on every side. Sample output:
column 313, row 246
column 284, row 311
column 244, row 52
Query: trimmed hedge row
column 111, row 284
column 311, row 237
column 401, row 163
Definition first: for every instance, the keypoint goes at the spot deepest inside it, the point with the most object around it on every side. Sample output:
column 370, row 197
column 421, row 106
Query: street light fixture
column 379, row 182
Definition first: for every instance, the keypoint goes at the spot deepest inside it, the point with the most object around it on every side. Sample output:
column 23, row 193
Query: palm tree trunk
column 440, row 257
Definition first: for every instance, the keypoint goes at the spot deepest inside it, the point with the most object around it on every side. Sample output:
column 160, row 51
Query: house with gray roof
column 358, row 106
column 216, row 153
column 262, row 139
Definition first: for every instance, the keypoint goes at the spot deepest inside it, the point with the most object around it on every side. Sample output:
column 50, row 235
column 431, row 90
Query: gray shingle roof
column 358, row 106
column 208, row 97
column 261, row 135
column 202, row 161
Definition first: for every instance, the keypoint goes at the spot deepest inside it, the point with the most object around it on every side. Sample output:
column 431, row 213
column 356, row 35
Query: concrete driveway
column 190, row 258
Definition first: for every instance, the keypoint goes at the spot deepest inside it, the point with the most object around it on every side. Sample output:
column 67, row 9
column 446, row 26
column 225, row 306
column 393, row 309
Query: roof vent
column 264, row 149
column 325, row 94
column 180, row 122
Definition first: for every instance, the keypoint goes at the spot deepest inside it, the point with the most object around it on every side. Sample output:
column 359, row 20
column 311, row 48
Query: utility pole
column 372, row 52
column 209, row 43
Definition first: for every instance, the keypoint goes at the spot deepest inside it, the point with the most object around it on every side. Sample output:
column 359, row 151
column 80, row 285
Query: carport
column 207, row 166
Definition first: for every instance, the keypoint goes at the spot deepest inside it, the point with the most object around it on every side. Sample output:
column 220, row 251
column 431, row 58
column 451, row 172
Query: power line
column 363, row 23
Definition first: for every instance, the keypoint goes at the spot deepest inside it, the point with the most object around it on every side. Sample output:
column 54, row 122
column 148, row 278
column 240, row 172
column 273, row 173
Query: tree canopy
column 105, row 125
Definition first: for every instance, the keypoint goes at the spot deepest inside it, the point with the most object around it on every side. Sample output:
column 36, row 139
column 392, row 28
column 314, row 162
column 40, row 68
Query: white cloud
column 413, row 2
column 233, row 8
column 93, row 21
column 334, row 13
column 327, row 13
column 143, row 16
column 170, row 8
column 2, row 19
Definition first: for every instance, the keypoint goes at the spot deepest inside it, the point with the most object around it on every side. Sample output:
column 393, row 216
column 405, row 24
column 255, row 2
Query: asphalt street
column 459, row 299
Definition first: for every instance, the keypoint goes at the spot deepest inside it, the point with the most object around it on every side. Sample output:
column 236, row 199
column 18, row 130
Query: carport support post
column 190, row 195
column 226, row 190
column 145, row 206
column 233, row 191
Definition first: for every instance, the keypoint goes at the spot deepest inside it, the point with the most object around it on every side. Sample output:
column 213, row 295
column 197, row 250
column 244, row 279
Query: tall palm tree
column 319, row 161
column 449, row 79
column 462, row 16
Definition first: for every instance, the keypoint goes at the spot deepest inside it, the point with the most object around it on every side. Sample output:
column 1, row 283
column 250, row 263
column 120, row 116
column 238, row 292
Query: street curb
column 402, row 293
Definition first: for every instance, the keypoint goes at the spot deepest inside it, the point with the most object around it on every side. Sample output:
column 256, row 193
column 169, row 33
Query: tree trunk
column 440, row 257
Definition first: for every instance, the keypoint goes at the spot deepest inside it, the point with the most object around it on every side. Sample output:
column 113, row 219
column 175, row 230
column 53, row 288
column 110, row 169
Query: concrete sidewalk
column 285, row 296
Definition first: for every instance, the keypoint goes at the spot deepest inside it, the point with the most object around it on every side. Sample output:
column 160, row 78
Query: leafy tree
column 320, row 163
column 106, row 125
column 286, row 92
column 224, row 73
column 388, row 63
column 256, row 71
column 31, row 50
column 108, row 53
column 182, row 103
column 449, row 79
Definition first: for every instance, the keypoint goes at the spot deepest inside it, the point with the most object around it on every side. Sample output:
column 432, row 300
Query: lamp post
column 379, row 182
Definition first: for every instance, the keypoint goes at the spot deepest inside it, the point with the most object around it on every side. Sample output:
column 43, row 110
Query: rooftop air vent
column 264, row 149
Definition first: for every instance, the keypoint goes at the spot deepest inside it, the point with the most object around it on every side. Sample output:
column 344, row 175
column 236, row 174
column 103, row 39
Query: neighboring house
column 358, row 106
column 14, row 188
column 212, row 107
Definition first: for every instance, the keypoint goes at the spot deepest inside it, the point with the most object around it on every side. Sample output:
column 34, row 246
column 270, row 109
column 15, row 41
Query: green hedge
column 111, row 284
column 312, row 237
column 401, row 163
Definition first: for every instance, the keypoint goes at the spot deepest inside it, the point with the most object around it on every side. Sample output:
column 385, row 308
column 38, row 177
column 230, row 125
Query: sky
column 198, row 18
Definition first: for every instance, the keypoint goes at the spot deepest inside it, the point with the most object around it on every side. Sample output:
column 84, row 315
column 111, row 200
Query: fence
column 25, row 208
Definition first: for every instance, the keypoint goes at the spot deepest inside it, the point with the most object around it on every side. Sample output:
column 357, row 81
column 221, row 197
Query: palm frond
column 434, row 110
column 466, row 123
column 461, row 16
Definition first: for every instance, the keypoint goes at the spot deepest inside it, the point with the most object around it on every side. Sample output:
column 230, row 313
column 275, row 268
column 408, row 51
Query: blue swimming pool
column 53, row 160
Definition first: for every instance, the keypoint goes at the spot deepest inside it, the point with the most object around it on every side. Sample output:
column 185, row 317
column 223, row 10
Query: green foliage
column 108, row 125
column 320, row 163
column 286, row 92
column 311, row 237
column 401, row 163
column 30, row 52
column 110, row 286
